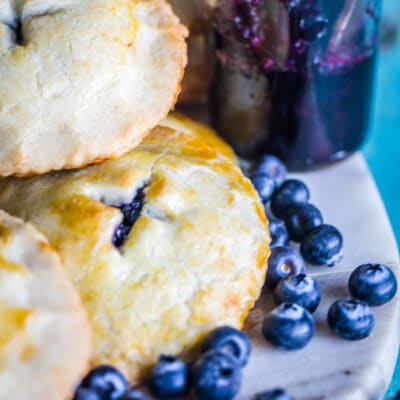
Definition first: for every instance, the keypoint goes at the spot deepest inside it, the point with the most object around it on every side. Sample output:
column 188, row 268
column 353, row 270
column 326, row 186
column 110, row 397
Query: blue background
column 382, row 149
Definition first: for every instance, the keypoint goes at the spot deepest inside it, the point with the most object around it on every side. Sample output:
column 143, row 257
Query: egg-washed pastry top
column 163, row 244
column 44, row 334
column 83, row 80
column 180, row 122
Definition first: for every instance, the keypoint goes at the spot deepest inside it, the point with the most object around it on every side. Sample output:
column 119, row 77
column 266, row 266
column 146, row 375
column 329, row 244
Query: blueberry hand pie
column 44, row 333
column 83, row 80
column 163, row 244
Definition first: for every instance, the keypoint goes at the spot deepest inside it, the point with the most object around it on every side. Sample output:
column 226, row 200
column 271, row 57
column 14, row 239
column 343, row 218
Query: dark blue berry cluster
column 370, row 285
column 290, row 326
column 131, row 212
column 106, row 383
column 294, row 218
column 215, row 375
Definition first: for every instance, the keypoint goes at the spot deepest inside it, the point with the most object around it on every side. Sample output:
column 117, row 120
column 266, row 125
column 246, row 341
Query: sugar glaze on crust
column 195, row 257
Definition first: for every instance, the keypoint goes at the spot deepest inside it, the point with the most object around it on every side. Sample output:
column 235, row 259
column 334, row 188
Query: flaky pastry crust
column 83, row 80
column 195, row 258
column 44, row 333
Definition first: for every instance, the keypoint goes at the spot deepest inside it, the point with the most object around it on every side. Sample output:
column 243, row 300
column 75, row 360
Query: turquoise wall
column 382, row 149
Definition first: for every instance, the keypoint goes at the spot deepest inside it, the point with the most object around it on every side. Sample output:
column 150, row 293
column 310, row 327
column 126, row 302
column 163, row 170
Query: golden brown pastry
column 163, row 244
column 44, row 333
column 83, row 80
column 178, row 121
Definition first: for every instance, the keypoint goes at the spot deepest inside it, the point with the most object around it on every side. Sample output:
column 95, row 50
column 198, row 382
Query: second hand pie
column 163, row 244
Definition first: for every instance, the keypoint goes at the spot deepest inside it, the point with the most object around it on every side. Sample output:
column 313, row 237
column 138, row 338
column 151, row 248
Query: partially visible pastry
column 200, row 66
column 163, row 244
column 83, row 80
column 44, row 334
column 179, row 122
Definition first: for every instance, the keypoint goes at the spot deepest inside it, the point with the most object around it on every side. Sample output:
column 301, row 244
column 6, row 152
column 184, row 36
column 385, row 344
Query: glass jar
column 294, row 77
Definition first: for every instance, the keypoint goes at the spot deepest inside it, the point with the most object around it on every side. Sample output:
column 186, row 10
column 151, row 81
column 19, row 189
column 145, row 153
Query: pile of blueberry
column 370, row 285
column 290, row 325
column 215, row 375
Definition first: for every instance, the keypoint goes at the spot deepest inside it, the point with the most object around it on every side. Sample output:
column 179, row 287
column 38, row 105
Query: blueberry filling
column 18, row 33
column 131, row 212
column 16, row 25
column 274, row 56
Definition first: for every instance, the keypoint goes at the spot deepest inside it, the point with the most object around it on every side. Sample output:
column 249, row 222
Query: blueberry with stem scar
column 301, row 289
column 216, row 375
column 231, row 340
column 105, row 380
column 283, row 262
column 289, row 326
column 273, row 167
column 169, row 378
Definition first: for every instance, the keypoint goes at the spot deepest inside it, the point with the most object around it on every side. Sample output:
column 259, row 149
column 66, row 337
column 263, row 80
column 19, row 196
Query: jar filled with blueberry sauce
column 294, row 77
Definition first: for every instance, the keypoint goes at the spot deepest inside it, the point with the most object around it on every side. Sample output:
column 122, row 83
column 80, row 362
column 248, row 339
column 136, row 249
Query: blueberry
column 322, row 246
column 264, row 185
column 289, row 193
column 135, row 394
column 169, row 378
column 288, row 326
column 283, row 262
column 229, row 339
column 273, row 167
column 301, row 219
column 278, row 232
column 373, row 283
column 107, row 381
column 87, row 394
column 300, row 289
column 274, row 394
column 216, row 375
column 351, row 319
